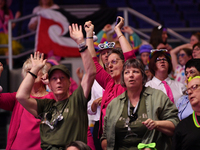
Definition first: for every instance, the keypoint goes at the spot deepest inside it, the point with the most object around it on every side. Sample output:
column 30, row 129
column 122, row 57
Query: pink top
column 112, row 90
column 19, row 123
column 4, row 21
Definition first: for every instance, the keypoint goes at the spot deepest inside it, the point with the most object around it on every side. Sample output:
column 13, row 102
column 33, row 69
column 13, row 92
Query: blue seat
column 188, row 7
column 138, row 3
column 191, row 15
column 186, row 34
column 143, row 24
column 67, row 2
column 183, row 2
column 174, row 24
column 116, row 3
column 165, row 8
column 161, row 2
column 169, row 16
column 194, row 23
column 99, row 2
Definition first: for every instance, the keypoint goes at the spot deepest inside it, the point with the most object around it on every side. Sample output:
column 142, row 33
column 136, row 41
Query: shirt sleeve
column 135, row 41
column 7, row 101
column 102, row 76
column 128, row 55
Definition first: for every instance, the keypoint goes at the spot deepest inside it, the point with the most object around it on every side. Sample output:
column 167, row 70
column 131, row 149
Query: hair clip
column 106, row 45
column 153, row 51
column 157, row 50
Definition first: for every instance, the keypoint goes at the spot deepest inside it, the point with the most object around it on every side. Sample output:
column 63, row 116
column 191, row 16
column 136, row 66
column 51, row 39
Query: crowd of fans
column 138, row 95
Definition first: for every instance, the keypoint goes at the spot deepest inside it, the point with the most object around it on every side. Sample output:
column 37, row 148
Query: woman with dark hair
column 184, row 55
column 196, row 50
column 160, row 66
column 140, row 114
column 159, row 37
column 77, row 145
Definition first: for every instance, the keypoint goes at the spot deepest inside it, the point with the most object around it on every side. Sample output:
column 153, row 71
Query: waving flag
column 53, row 33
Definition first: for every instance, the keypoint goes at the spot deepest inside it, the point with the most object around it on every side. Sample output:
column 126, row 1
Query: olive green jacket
column 158, row 106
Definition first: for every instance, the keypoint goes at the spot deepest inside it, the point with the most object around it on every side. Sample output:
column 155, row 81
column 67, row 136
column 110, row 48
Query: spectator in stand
column 187, row 135
column 141, row 115
column 159, row 37
column 184, row 55
column 23, row 125
column 5, row 15
column 160, row 66
column 64, row 119
column 192, row 68
column 111, row 82
column 144, row 56
column 73, row 86
column 196, row 50
column 43, row 4
column 94, row 105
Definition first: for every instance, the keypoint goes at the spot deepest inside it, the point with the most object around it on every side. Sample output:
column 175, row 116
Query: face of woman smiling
column 115, row 65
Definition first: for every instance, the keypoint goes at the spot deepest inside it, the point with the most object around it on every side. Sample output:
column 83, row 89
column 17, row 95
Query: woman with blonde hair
column 23, row 125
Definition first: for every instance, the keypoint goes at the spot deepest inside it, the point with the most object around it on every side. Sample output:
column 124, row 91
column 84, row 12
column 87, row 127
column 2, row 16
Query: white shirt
column 177, row 88
column 96, row 92
column 39, row 8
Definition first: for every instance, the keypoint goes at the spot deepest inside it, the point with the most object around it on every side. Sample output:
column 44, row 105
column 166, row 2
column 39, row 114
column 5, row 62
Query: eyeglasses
column 192, row 88
column 113, row 62
column 161, row 59
column 181, row 55
column 191, row 72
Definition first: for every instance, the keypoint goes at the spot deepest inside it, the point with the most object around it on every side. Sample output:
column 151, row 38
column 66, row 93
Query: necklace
column 194, row 116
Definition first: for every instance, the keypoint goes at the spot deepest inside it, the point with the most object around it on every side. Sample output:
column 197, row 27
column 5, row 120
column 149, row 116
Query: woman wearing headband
column 111, row 82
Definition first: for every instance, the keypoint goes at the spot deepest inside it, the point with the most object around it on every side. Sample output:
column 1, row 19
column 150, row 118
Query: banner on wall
column 53, row 33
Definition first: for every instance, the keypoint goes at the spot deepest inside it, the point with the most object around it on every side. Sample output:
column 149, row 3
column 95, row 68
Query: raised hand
column 38, row 61
column 76, row 33
column 120, row 24
column 107, row 28
column 127, row 29
column 89, row 28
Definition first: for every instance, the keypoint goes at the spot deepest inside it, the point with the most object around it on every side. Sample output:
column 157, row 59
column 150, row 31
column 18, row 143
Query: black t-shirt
column 187, row 135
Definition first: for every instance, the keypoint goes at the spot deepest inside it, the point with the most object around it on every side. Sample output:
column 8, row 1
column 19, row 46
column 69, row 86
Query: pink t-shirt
column 112, row 90
column 31, row 126
column 4, row 21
